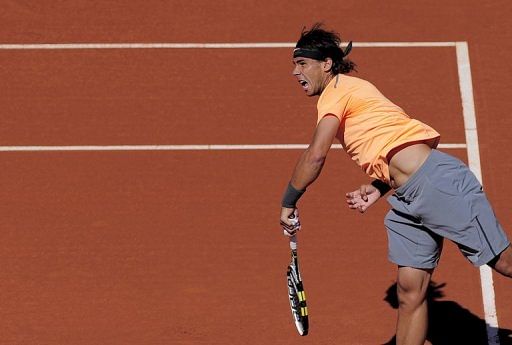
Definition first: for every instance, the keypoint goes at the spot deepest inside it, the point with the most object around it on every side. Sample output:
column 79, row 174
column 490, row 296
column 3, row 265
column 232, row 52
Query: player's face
column 311, row 75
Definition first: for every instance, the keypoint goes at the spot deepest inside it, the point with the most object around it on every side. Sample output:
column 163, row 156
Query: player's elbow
column 316, row 157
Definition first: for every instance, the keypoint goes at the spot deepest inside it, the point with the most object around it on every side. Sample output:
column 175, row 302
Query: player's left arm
column 309, row 166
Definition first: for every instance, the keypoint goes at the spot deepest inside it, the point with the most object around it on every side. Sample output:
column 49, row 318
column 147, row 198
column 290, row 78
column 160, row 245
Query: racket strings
column 297, row 296
column 296, row 293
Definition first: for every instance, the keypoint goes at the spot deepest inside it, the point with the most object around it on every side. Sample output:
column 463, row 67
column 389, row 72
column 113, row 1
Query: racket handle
column 293, row 242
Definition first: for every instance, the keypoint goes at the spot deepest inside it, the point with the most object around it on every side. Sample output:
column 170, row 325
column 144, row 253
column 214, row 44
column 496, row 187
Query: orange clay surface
column 185, row 247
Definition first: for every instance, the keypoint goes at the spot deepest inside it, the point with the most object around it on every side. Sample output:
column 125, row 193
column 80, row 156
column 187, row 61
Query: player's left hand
column 290, row 221
column 362, row 198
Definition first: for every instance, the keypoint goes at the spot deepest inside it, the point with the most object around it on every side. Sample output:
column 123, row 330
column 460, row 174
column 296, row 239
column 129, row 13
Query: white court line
column 468, row 108
column 177, row 147
column 55, row 46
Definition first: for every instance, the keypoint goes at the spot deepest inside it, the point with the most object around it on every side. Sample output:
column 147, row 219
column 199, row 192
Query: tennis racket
column 296, row 291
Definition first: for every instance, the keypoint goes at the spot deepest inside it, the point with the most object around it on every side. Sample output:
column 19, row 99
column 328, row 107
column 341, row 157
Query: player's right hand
column 362, row 198
column 290, row 221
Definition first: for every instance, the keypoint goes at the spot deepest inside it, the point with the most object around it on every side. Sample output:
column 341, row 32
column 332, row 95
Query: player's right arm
column 308, row 167
column 312, row 160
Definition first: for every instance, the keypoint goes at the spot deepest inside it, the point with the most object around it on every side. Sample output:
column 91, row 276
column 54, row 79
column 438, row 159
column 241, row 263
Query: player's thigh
column 410, row 243
column 454, row 206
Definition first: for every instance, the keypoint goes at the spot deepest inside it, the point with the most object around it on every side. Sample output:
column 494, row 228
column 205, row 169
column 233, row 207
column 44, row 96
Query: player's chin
column 310, row 92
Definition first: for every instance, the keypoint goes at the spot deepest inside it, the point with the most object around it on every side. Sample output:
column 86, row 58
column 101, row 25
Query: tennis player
column 435, row 195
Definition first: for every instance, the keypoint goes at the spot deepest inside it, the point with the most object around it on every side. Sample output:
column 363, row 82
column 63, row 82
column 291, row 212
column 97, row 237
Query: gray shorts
column 443, row 199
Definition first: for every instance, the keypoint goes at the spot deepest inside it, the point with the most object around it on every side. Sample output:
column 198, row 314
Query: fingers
column 290, row 221
column 362, row 191
column 290, row 231
column 360, row 208
column 358, row 200
column 354, row 199
column 290, row 226
column 352, row 195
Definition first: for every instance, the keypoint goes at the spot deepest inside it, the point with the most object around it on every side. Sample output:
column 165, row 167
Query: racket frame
column 296, row 294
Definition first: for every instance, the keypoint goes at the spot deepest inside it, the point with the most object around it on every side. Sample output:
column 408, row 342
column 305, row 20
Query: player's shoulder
column 358, row 87
column 345, row 85
column 351, row 81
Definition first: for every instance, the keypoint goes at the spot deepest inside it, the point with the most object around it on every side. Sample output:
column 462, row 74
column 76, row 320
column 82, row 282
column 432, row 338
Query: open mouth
column 304, row 84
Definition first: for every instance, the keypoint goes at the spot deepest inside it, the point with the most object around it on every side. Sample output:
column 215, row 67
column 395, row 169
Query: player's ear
column 327, row 65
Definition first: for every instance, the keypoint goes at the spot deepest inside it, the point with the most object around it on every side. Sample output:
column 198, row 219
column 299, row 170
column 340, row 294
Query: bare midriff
column 405, row 160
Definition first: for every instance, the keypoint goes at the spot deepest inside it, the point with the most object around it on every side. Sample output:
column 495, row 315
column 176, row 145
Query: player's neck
column 327, row 80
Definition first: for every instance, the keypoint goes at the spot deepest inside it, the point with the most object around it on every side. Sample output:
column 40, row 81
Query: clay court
column 141, row 184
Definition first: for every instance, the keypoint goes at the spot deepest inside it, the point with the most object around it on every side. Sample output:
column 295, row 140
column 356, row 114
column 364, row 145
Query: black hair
column 328, row 44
